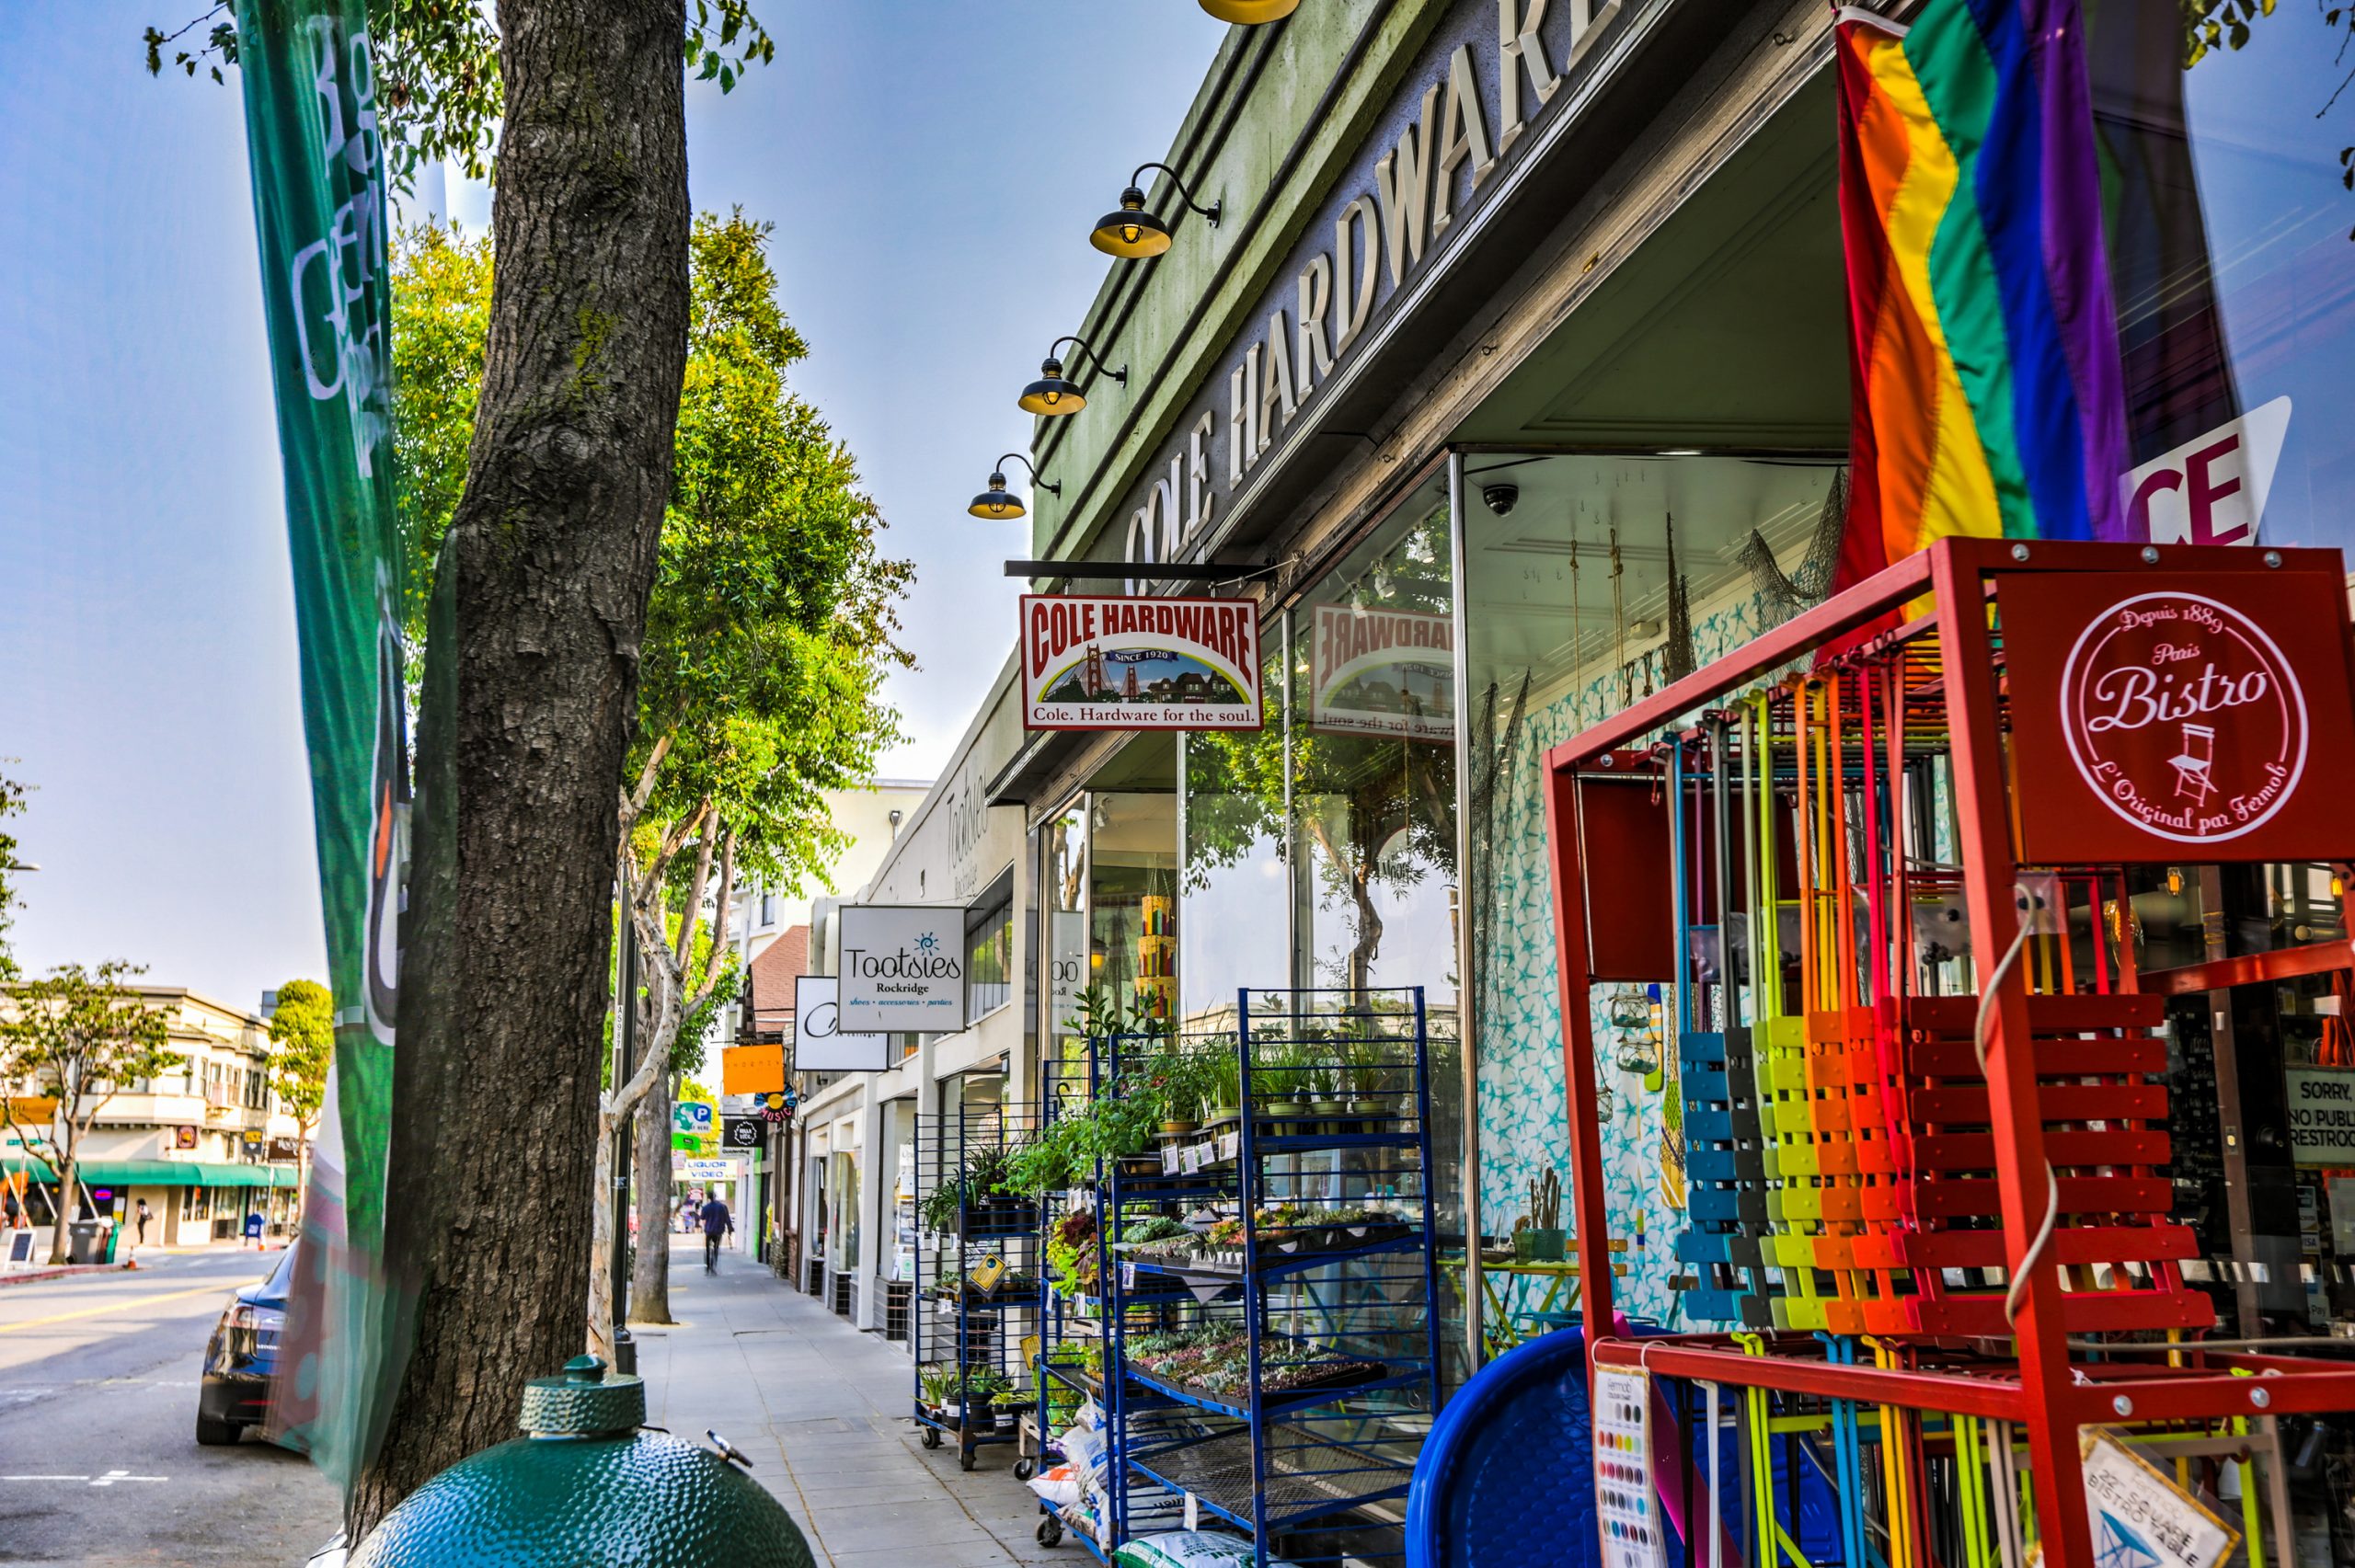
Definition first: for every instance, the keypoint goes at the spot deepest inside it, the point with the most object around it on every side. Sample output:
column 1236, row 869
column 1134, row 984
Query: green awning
column 156, row 1172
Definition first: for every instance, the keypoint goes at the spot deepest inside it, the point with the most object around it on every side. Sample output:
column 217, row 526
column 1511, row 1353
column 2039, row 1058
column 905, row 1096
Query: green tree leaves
column 303, row 1030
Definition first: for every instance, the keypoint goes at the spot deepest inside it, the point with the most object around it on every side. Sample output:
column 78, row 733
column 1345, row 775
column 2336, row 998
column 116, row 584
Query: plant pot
column 1539, row 1246
column 1006, row 1420
column 1177, row 1129
column 1221, row 1115
column 1330, row 1110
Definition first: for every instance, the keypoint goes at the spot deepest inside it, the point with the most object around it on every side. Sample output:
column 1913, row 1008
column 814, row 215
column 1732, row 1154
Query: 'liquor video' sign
column 2166, row 716
column 1106, row 661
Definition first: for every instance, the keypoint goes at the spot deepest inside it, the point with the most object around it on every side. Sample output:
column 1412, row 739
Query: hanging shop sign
column 779, row 1107
column 1383, row 672
column 691, row 1118
column 743, row 1132
column 903, row 968
column 1109, row 661
column 2322, row 1116
column 2172, row 713
column 1480, row 95
column 820, row 1044
column 286, row 1149
column 697, row 1170
column 2211, row 489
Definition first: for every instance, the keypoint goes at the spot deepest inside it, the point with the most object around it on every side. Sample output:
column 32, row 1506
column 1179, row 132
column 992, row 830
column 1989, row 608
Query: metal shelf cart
column 1272, row 1347
column 976, row 1287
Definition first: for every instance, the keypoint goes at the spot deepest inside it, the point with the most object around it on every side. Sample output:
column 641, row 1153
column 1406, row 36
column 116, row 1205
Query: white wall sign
column 819, row 1044
column 2211, row 489
column 699, row 1170
column 2322, row 1115
column 2141, row 1517
column 903, row 968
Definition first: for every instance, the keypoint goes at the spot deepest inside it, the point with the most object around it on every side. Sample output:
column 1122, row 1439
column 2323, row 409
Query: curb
column 63, row 1271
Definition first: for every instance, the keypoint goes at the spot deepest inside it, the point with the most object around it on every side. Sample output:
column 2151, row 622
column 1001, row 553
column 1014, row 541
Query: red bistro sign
column 2180, row 715
column 1110, row 662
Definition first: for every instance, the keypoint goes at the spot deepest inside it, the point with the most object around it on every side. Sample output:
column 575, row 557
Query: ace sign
column 2173, row 715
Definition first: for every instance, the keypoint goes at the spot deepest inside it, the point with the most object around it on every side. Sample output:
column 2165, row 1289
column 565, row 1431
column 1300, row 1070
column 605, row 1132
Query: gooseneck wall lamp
column 997, row 502
column 1051, row 394
column 1250, row 13
column 1134, row 234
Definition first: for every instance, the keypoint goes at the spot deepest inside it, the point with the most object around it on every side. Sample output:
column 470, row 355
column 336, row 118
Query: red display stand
column 2093, row 708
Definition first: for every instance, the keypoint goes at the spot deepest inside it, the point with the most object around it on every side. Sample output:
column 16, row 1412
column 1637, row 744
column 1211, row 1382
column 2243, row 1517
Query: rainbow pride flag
column 1985, row 382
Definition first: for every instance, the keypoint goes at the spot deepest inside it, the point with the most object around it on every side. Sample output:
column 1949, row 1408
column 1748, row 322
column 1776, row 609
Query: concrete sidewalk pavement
column 822, row 1411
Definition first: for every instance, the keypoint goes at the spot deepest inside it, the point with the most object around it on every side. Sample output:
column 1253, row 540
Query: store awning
column 155, row 1172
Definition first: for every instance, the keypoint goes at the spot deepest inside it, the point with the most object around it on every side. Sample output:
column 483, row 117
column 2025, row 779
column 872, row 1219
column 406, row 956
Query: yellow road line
column 221, row 1290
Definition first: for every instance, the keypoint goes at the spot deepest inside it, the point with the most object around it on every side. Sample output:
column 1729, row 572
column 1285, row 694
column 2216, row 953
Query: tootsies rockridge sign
column 1491, row 75
column 903, row 970
column 2182, row 716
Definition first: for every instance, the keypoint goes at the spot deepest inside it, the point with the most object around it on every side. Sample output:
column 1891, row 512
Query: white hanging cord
column 2027, row 903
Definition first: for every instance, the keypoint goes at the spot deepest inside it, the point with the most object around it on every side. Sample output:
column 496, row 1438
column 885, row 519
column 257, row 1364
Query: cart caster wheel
column 1050, row 1531
column 931, row 1437
column 967, row 1458
column 1025, row 1469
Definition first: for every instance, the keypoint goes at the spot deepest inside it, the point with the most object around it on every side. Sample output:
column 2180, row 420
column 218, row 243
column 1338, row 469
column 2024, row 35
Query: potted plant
column 1538, row 1236
column 983, row 1390
column 937, row 1386
column 1322, row 1077
column 1222, row 1086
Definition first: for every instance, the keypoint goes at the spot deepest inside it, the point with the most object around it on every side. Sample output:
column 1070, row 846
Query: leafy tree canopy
column 437, row 88
column 12, row 802
column 303, row 1030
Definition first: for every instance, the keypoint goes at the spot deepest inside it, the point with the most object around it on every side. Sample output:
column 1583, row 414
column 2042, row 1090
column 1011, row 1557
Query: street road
column 98, row 1459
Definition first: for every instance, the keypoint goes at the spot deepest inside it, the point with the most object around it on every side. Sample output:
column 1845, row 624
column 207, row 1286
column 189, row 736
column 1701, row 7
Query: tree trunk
column 67, row 1164
column 531, row 689
column 649, row 1275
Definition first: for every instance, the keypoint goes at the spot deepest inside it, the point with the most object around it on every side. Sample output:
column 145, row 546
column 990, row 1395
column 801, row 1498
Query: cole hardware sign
column 1111, row 662
column 2173, row 715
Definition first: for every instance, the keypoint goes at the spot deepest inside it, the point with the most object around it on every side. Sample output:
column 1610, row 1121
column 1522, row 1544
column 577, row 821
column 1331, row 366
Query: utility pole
column 625, row 1063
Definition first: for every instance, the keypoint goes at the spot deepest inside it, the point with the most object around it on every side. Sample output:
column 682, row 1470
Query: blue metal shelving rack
column 1334, row 1121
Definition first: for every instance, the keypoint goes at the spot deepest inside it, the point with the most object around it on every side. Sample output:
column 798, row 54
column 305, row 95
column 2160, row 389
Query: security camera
column 1502, row 498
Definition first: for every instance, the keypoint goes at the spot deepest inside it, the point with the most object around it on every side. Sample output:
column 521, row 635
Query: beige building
column 872, row 817
column 202, row 1146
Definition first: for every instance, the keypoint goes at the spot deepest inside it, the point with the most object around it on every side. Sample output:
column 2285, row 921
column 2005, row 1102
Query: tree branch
column 685, row 947
column 634, row 802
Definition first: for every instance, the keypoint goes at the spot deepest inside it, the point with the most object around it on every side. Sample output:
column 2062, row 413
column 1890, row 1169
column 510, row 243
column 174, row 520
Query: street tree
column 303, row 1031
column 529, row 693
column 12, row 802
column 770, row 630
column 77, row 1038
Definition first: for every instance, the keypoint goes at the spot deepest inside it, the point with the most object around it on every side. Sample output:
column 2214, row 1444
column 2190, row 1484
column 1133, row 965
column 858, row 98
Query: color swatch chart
column 1632, row 1535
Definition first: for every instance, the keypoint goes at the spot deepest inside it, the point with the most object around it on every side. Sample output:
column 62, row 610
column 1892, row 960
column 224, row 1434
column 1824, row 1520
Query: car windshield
column 282, row 1275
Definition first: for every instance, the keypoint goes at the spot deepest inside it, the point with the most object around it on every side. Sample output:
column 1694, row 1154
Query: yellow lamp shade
column 997, row 502
column 1132, row 233
column 1250, row 13
column 1051, row 395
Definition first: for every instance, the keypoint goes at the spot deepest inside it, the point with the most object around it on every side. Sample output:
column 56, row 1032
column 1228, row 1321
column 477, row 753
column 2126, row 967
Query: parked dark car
column 235, row 1393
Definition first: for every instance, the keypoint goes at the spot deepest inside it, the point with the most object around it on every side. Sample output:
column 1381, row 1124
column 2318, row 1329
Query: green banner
column 319, row 205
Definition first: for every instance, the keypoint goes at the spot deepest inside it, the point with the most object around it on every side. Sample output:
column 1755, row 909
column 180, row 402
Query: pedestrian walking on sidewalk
column 139, row 1221
column 716, row 1222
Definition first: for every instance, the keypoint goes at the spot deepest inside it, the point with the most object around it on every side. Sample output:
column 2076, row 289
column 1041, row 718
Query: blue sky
column 932, row 166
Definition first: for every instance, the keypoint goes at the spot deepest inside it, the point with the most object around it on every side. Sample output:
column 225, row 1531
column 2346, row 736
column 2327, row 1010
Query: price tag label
column 1168, row 1158
column 1229, row 1145
column 1193, row 1159
column 1193, row 1512
column 1128, row 1275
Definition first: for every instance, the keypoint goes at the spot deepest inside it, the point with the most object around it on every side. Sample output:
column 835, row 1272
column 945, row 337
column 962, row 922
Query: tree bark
column 531, row 689
column 649, row 1275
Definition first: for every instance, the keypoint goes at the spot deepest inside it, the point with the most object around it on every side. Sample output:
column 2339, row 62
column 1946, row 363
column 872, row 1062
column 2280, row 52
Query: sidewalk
column 822, row 1411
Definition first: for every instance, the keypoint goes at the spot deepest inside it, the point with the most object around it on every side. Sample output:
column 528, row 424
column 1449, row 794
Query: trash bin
column 87, row 1240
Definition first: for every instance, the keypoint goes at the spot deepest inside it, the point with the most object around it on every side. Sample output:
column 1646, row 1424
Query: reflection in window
column 989, row 960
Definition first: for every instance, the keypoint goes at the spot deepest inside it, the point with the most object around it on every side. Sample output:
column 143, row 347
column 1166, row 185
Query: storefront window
column 1133, row 882
column 989, row 959
column 2234, row 268
column 1237, row 879
column 1063, row 878
column 1597, row 582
